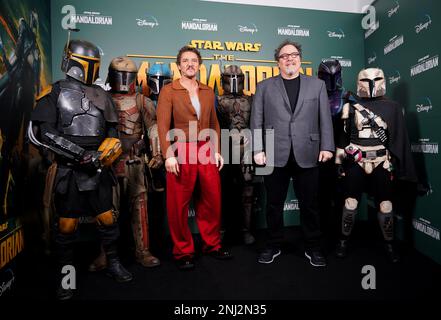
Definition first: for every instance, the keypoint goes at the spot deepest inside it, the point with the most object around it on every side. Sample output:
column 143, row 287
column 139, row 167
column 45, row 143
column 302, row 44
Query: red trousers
column 198, row 176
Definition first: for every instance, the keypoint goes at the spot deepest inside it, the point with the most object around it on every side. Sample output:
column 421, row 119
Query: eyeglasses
column 293, row 55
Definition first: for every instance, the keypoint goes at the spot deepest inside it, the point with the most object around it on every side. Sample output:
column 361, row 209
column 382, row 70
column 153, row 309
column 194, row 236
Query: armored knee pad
column 351, row 203
column 106, row 218
column 386, row 206
column 67, row 225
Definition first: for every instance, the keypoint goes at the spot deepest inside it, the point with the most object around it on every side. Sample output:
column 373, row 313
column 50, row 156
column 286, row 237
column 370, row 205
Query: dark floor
column 290, row 277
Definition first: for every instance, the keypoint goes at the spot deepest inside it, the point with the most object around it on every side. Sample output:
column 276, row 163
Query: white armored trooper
column 372, row 149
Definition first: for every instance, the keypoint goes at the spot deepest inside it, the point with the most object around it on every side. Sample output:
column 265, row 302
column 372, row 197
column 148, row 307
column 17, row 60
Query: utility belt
column 373, row 154
column 356, row 153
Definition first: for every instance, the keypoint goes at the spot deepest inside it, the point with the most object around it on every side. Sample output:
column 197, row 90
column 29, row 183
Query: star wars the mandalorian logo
column 255, row 70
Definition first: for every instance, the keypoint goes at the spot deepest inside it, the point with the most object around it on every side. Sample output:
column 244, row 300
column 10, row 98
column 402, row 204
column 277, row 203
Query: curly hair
column 285, row 43
column 188, row 49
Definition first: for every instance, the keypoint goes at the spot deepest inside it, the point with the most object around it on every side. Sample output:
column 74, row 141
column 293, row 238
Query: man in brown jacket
column 186, row 115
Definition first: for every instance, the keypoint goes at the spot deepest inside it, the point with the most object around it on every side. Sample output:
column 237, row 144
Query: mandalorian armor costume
column 372, row 149
column 79, row 118
column 234, row 109
column 158, row 75
column 330, row 71
column 136, row 124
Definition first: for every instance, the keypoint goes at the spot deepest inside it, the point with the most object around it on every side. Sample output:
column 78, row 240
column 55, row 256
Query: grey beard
column 290, row 71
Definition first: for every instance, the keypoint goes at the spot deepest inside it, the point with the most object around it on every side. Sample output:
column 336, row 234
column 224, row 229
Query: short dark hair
column 188, row 49
column 285, row 43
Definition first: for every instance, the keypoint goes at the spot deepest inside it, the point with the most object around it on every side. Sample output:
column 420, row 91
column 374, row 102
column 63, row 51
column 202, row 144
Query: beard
column 291, row 70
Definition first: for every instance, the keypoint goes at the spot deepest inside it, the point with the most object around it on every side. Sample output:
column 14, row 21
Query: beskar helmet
column 330, row 72
column 122, row 75
column 232, row 80
column 158, row 75
column 81, row 61
column 371, row 83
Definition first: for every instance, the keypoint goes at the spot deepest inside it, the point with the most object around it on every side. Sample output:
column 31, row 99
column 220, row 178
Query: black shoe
column 316, row 258
column 342, row 248
column 392, row 253
column 64, row 294
column 185, row 263
column 117, row 271
column 268, row 255
column 221, row 254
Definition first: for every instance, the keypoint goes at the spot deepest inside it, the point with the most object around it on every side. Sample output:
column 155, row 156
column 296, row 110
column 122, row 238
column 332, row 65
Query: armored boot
column 66, row 287
column 140, row 229
column 347, row 224
column 386, row 222
column 116, row 270
column 65, row 256
column 146, row 259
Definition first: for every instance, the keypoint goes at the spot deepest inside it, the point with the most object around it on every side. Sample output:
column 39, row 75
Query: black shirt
column 292, row 88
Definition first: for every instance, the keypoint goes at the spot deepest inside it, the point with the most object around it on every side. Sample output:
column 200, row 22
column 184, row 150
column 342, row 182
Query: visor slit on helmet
column 372, row 88
column 233, row 85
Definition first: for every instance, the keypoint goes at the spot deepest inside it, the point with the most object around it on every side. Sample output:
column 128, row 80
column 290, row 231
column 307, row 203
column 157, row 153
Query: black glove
column 90, row 162
column 86, row 158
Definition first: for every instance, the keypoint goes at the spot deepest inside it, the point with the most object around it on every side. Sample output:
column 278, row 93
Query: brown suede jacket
column 175, row 111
